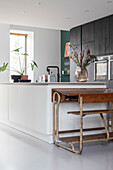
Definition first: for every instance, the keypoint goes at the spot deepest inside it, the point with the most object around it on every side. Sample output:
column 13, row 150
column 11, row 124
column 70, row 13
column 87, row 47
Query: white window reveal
column 24, row 41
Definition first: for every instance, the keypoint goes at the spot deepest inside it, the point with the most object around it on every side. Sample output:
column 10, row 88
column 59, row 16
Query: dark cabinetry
column 102, row 35
column 75, row 36
column 88, row 32
column 111, row 34
column 65, row 61
column 90, row 68
column 88, row 36
column 98, row 35
column 91, row 46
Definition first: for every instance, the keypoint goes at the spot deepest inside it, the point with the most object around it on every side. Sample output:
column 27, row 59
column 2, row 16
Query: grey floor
column 19, row 151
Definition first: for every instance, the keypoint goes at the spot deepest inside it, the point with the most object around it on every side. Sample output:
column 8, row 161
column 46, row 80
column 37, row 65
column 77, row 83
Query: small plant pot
column 24, row 77
column 16, row 78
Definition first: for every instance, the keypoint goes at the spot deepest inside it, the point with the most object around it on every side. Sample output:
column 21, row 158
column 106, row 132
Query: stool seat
column 90, row 112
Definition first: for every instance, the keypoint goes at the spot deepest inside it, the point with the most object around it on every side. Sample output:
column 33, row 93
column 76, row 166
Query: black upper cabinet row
column 102, row 35
column 111, row 34
column 99, row 33
column 88, row 36
column 88, row 32
column 75, row 36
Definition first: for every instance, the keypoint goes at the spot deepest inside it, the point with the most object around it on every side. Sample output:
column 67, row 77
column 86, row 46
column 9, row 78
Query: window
column 24, row 41
column 17, row 41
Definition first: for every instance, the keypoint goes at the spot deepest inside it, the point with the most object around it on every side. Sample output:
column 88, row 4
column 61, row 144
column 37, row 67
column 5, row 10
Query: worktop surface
column 57, row 83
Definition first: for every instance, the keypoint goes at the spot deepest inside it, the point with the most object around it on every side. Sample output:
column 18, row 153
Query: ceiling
column 54, row 14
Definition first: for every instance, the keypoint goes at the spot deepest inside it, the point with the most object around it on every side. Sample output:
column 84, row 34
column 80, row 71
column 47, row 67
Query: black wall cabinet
column 102, row 35
column 100, row 32
column 75, row 36
column 90, row 68
column 88, row 32
column 111, row 34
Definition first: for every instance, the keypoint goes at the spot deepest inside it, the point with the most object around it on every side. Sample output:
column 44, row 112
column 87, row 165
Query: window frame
column 25, row 35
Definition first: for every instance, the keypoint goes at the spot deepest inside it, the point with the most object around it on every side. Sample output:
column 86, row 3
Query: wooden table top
column 90, row 95
column 77, row 91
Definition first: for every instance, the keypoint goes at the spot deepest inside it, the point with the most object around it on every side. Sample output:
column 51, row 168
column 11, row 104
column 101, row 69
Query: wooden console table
column 82, row 96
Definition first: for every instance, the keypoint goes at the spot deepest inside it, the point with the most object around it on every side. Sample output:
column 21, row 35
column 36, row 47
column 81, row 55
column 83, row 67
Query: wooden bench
column 82, row 96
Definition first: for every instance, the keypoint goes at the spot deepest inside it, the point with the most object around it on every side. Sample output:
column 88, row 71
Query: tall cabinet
column 111, row 34
column 65, row 61
column 102, row 36
column 75, row 39
column 88, row 39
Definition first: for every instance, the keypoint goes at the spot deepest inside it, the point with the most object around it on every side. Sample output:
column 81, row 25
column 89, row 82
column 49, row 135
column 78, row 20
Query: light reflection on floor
column 22, row 152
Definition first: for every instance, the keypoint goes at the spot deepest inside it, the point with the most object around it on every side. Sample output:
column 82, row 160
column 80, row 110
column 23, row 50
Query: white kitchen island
column 27, row 107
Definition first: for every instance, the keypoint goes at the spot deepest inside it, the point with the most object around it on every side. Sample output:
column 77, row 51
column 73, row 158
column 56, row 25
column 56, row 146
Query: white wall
column 4, row 49
column 46, row 47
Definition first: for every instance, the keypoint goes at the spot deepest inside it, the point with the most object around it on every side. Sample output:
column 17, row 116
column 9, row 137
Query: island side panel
column 28, row 107
column 4, row 103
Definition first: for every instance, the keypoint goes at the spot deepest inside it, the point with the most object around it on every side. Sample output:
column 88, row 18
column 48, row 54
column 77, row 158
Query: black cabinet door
column 90, row 68
column 88, row 32
column 75, row 35
column 102, row 45
column 111, row 34
column 91, row 47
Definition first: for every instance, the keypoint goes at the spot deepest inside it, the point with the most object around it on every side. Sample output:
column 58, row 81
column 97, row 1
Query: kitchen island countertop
column 56, row 83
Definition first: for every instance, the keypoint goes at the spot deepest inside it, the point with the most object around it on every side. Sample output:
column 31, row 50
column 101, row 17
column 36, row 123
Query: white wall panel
column 4, row 50
column 4, row 102
column 28, row 107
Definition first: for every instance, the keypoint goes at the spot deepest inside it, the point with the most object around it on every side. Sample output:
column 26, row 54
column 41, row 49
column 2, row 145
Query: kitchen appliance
column 103, row 68
column 111, row 67
column 56, row 67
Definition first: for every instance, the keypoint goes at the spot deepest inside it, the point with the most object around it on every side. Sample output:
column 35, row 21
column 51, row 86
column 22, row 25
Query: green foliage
column 3, row 68
column 33, row 64
column 22, row 70
column 17, row 50
column 88, row 61
column 85, row 57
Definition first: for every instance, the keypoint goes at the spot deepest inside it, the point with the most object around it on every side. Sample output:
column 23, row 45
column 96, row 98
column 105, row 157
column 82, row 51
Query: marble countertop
column 57, row 83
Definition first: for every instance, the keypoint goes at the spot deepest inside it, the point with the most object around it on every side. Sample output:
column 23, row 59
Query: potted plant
column 21, row 72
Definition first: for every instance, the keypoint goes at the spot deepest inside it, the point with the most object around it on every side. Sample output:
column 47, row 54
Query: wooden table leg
column 108, row 108
column 107, row 131
column 54, row 118
column 81, row 125
column 112, row 119
column 56, row 122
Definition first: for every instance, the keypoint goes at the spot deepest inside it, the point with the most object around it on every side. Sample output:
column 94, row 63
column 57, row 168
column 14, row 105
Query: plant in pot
column 21, row 76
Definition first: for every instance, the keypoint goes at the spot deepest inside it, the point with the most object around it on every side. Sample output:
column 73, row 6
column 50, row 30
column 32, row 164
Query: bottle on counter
column 48, row 78
column 52, row 77
column 68, row 71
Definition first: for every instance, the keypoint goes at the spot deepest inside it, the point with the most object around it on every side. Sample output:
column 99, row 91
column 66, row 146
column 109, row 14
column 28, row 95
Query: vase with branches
column 82, row 59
